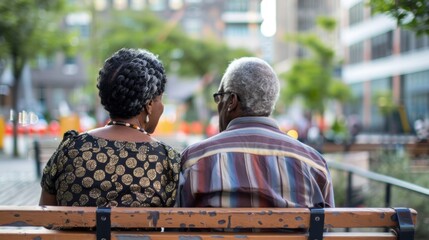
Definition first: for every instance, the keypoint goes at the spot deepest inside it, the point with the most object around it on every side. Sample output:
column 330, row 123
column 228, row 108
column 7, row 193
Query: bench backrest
column 311, row 223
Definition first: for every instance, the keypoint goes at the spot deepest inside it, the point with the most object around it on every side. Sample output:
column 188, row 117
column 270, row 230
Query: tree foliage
column 28, row 28
column 181, row 54
column 136, row 29
column 311, row 79
column 385, row 102
column 411, row 14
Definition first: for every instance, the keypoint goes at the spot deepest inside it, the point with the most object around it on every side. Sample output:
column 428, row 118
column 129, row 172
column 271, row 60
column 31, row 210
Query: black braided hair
column 129, row 79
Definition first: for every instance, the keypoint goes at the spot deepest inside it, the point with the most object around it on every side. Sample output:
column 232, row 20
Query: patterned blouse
column 89, row 171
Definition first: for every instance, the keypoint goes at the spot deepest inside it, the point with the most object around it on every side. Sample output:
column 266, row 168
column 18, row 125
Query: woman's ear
column 148, row 107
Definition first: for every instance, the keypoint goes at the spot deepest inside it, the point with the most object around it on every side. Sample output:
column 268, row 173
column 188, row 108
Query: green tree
column 136, row 29
column 28, row 28
column 181, row 54
column 411, row 14
column 311, row 79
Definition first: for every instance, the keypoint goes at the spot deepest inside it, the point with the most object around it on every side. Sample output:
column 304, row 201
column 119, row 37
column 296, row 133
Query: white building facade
column 381, row 57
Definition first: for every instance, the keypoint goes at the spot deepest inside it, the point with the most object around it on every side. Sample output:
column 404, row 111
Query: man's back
column 253, row 164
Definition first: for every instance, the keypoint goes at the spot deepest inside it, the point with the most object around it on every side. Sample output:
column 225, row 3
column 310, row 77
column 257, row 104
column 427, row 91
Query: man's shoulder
column 205, row 143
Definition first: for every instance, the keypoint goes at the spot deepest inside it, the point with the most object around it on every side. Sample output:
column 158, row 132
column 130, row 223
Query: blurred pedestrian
column 119, row 164
column 251, row 162
column 421, row 127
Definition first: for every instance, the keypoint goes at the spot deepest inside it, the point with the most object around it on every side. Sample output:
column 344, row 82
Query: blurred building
column 237, row 22
column 299, row 16
column 230, row 20
column 234, row 22
column 379, row 56
column 57, row 82
column 48, row 83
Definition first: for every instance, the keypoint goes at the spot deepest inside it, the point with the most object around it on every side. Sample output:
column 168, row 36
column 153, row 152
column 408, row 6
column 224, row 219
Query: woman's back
column 118, row 164
column 87, row 170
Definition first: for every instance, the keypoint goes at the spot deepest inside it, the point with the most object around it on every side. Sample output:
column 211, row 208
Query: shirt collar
column 251, row 120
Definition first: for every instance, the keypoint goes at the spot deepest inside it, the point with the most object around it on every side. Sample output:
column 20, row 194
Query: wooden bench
column 18, row 222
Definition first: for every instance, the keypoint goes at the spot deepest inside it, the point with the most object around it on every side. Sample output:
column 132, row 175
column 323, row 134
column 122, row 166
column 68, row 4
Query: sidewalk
column 18, row 181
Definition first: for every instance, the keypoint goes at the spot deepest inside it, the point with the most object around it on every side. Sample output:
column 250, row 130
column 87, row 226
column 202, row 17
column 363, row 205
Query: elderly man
column 251, row 162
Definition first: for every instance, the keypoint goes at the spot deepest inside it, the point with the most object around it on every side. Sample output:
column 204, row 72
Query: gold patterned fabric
column 91, row 171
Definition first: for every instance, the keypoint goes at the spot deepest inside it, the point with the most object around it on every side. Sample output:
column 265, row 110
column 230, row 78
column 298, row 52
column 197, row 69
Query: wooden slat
column 73, row 235
column 47, row 216
column 362, row 217
column 210, row 218
column 197, row 217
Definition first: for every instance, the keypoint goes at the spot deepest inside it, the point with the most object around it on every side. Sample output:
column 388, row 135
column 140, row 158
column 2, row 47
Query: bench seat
column 21, row 222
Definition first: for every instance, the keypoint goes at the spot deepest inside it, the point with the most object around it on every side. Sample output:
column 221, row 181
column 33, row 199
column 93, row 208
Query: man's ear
column 233, row 102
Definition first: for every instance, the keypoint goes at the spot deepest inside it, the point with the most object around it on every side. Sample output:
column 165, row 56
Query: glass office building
column 381, row 58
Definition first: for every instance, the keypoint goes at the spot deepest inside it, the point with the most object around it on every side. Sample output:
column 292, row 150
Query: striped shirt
column 254, row 164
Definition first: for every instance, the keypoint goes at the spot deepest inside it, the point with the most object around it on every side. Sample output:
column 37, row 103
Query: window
column 237, row 6
column 356, row 53
column 416, row 94
column 100, row 5
column 410, row 41
column 356, row 13
column 157, row 5
column 407, row 40
column 137, row 5
column 305, row 23
column 84, row 31
column 79, row 22
column 44, row 63
column 192, row 26
column 377, row 118
column 175, row 4
column 69, row 60
column 120, row 4
column 355, row 106
column 237, row 30
column 381, row 45
column 422, row 41
column 194, row 12
column 70, row 65
column 193, row 1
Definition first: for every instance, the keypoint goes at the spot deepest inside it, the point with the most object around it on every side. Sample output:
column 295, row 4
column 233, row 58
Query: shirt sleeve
column 328, row 191
column 50, row 171
column 173, row 177
column 185, row 198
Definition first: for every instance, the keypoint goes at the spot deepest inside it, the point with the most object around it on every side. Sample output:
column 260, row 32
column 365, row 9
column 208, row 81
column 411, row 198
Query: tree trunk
column 17, row 66
column 15, row 117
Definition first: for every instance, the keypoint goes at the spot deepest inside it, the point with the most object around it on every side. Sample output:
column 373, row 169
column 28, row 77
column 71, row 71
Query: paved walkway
column 18, row 181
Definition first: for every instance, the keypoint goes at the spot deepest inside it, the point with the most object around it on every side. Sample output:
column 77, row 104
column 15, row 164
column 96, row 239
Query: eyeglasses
column 217, row 96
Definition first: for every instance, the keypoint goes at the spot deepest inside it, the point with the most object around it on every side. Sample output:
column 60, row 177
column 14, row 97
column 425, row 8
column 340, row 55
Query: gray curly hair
column 256, row 84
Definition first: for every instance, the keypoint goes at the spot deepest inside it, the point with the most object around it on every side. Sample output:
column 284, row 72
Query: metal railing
column 388, row 181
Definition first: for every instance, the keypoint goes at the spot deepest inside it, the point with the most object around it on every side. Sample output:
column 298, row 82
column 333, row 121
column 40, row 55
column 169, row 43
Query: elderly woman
column 251, row 162
column 119, row 164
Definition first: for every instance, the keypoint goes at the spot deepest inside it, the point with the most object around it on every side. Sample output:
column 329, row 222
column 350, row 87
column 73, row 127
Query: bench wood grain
column 344, row 223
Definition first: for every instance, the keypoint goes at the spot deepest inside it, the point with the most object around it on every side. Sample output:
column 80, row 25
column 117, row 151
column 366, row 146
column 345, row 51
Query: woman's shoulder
column 68, row 137
column 169, row 150
column 70, row 133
